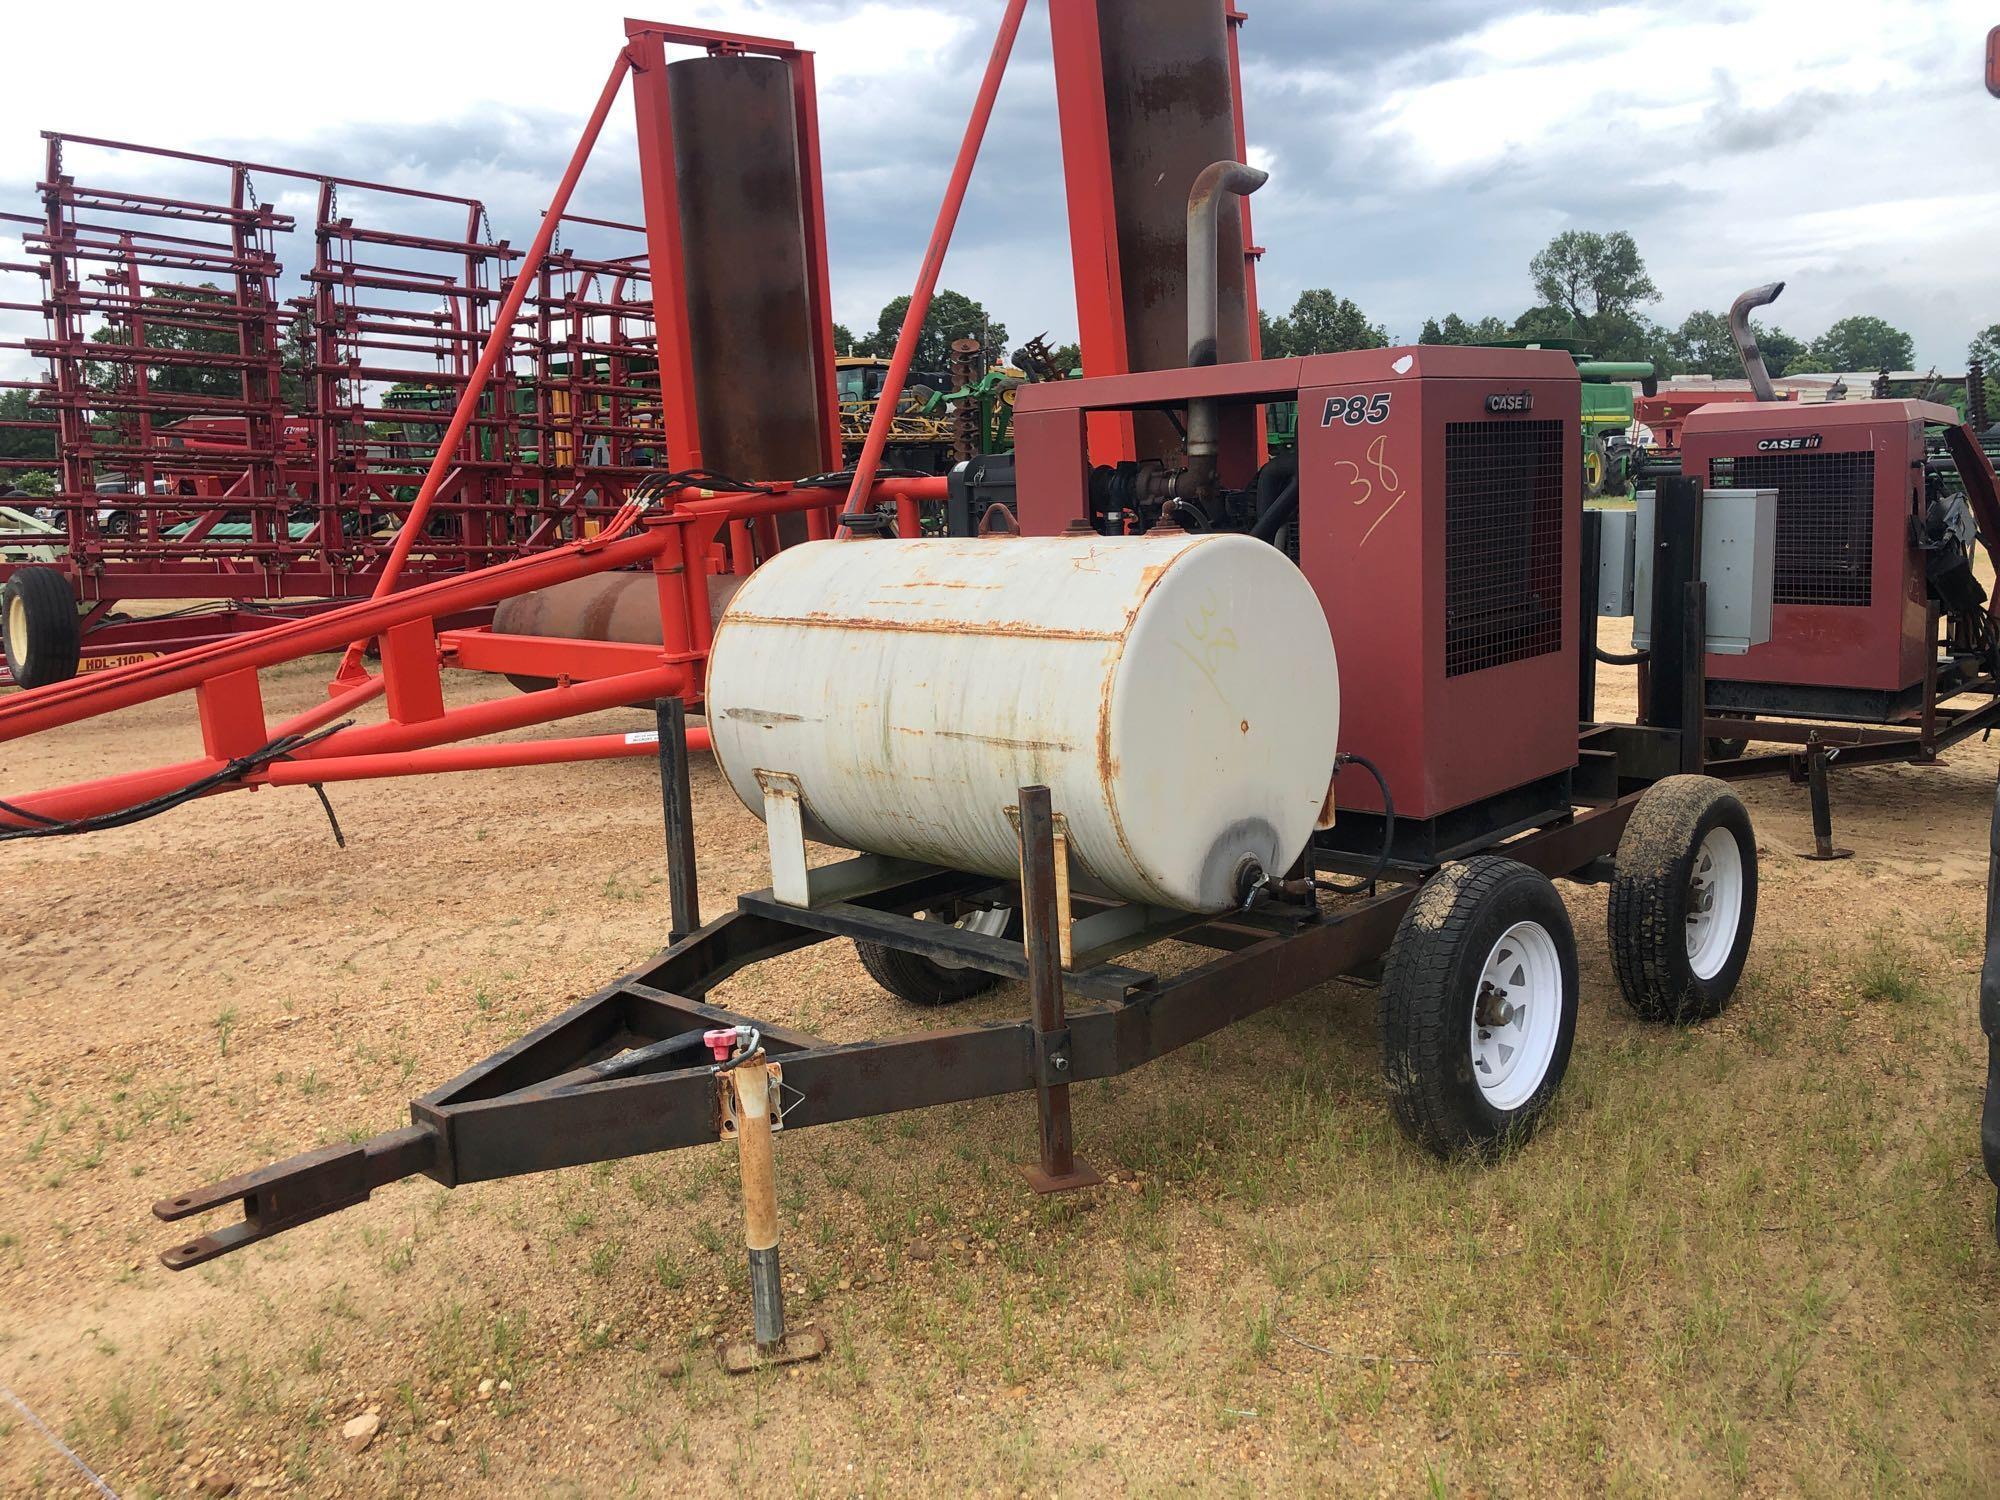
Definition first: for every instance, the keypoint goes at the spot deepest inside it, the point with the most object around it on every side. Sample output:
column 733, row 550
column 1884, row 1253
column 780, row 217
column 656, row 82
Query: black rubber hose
column 626, row 1064
column 1281, row 512
column 1271, row 478
column 1367, row 881
column 1621, row 658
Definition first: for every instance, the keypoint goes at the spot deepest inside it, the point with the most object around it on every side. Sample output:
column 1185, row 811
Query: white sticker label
column 643, row 737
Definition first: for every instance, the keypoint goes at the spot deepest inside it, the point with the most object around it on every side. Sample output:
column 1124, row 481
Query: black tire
column 1432, row 988
column 42, row 633
column 1666, row 883
column 920, row 980
column 1726, row 749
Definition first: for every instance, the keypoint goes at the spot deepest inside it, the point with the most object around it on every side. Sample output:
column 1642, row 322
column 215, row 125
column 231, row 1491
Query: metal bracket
column 726, row 1128
column 1059, row 831
column 785, row 832
column 1052, row 1059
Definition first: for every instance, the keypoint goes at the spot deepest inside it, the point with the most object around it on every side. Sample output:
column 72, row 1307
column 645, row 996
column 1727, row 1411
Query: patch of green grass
column 1886, row 970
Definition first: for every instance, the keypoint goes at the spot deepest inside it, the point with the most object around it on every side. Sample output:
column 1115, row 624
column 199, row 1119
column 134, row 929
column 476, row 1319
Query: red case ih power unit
column 1850, row 633
column 1438, row 516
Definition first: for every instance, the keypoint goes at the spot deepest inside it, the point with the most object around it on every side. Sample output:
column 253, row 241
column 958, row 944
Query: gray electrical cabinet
column 1739, row 545
column 1614, row 561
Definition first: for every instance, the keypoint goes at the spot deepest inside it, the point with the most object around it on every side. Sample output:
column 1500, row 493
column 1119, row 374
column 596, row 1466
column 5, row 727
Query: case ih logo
column 1788, row 444
column 1511, row 401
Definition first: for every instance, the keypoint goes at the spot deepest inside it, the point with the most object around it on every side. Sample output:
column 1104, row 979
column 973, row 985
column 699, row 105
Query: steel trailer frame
column 612, row 1076
column 593, row 1084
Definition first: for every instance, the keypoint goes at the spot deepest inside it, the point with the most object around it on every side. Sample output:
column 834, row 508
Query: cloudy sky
column 1421, row 150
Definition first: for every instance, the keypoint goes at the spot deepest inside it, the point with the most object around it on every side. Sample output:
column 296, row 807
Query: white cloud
column 1843, row 146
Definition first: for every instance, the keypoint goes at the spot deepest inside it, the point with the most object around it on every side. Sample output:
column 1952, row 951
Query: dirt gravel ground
column 1754, row 1257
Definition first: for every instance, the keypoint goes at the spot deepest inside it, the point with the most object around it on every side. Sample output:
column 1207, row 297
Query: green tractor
column 1610, row 457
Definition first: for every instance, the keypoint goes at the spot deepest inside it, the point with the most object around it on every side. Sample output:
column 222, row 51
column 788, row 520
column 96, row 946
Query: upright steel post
column 1677, row 686
column 1694, row 679
column 677, row 805
column 1822, row 805
column 1989, row 1010
column 1058, row 1169
column 1590, row 549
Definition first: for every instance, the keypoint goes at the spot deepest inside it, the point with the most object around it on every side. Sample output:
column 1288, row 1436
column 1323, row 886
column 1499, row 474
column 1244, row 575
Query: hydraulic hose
column 1367, row 881
column 1281, row 510
column 1271, row 478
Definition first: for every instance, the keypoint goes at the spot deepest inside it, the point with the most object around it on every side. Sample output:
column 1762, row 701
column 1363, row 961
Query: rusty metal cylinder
column 1176, row 693
column 602, row 607
column 1170, row 112
column 743, row 240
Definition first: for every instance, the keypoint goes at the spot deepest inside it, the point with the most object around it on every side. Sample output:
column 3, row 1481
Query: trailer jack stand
column 1822, row 807
column 750, row 1110
column 1043, row 900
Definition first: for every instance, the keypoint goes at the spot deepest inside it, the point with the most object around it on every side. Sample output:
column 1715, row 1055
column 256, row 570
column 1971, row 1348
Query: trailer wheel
column 930, row 981
column 1684, row 900
column 1731, row 748
column 1478, row 1006
column 38, row 619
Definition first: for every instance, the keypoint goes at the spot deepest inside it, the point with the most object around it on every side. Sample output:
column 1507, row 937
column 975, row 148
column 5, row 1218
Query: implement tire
column 43, row 635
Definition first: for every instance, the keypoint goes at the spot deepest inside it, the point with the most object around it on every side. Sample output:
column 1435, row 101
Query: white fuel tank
column 1176, row 693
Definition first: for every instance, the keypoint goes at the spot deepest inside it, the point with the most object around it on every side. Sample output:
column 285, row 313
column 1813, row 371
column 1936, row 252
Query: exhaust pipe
column 1217, row 180
column 1746, row 337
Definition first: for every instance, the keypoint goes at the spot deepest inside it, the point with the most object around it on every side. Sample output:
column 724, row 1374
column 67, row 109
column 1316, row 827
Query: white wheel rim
column 1517, row 1015
column 17, row 628
column 989, row 923
column 1715, row 903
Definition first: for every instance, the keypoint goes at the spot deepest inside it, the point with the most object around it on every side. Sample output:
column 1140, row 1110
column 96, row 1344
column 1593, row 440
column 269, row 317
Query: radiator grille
column 1826, row 520
column 1503, row 531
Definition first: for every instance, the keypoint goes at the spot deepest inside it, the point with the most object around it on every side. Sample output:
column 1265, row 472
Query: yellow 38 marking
column 1361, row 489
